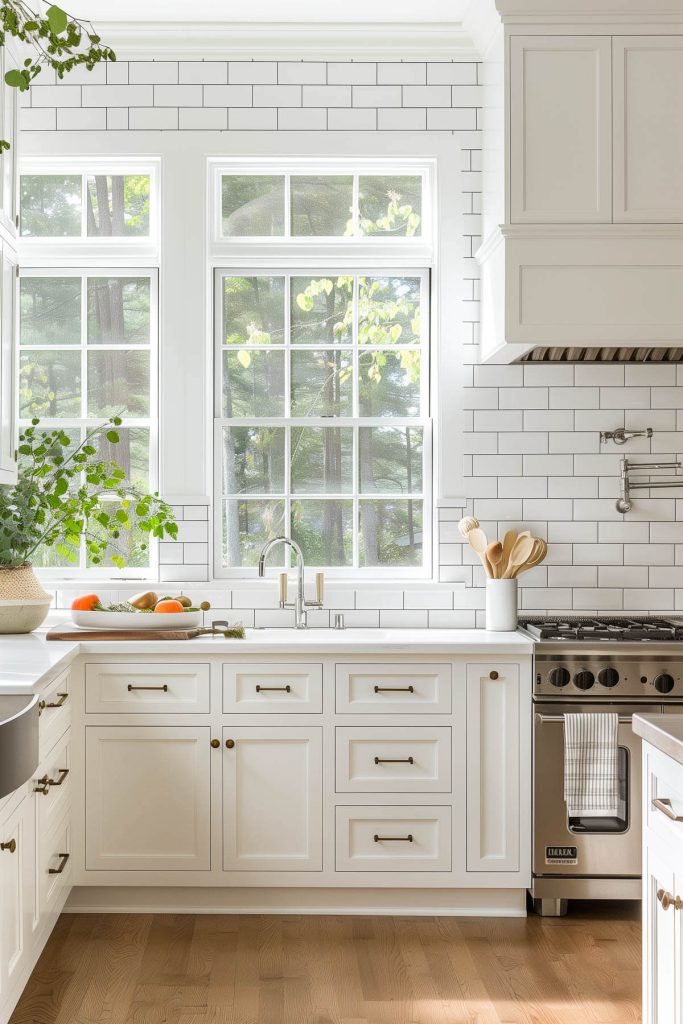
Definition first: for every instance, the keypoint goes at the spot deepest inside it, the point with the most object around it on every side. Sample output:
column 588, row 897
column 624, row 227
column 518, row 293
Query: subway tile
column 648, row 375
column 596, row 509
column 401, row 120
column 649, row 599
column 227, row 95
column 195, row 554
column 598, row 554
column 522, row 487
column 402, row 73
column 603, row 463
column 498, row 420
column 623, row 576
column 648, row 554
column 451, row 73
column 577, row 442
column 377, row 95
column 665, row 398
column 496, row 376
column 55, row 96
column 546, row 597
column 558, row 554
column 117, row 72
column 148, row 72
column 666, row 533
column 598, row 419
column 525, row 443
column 192, row 532
column 480, row 443
column 602, row 600
column 117, row 119
column 484, row 487
column 379, row 598
column 181, row 573
column 259, row 72
column 203, row 72
column 555, row 375
column 82, row 119
column 241, row 616
column 404, row 620
column 494, row 465
column 80, row 75
column 433, row 598
column 368, row 619
column 327, row 95
column 351, row 120
column 500, row 509
column 574, row 398
column 588, row 375
column 452, row 619
column 299, row 119
column 664, row 576
column 196, row 512
column 572, row 576
column 542, row 418
column 202, row 119
column 624, row 533
column 247, row 120
column 453, row 119
column 548, row 508
column 170, row 553
column 301, row 72
column 652, row 509
column 667, row 442
column 523, row 398
column 572, row 487
column 572, row 533
column 352, row 73
column 426, row 96
column 548, row 465
column 117, row 95
column 153, row 118
column 480, row 398
column 624, row 398
column 277, row 95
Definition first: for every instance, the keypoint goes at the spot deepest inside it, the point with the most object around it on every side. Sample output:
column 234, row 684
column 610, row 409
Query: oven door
column 580, row 847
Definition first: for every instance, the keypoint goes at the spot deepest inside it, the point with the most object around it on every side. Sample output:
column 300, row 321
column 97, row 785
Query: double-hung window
column 322, row 422
column 88, row 318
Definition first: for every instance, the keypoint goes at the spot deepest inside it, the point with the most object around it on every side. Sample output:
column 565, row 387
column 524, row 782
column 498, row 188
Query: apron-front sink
column 18, row 740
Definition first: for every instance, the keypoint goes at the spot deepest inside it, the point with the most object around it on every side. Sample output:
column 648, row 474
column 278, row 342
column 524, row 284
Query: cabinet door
column 659, row 937
column 17, row 891
column 8, row 466
column 648, row 128
column 148, row 798
column 493, row 770
column 560, row 129
column 272, row 799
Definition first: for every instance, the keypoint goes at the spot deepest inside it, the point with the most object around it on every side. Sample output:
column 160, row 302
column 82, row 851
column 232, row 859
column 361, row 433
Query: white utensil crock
column 501, row 605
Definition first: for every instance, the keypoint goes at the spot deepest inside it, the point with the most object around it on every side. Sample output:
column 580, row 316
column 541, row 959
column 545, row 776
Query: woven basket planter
column 23, row 602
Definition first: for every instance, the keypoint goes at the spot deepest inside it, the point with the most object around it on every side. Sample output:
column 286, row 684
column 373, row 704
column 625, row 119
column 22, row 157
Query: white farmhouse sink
column 18, row 740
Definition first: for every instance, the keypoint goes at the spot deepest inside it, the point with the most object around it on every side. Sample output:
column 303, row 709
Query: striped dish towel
column 591, row 768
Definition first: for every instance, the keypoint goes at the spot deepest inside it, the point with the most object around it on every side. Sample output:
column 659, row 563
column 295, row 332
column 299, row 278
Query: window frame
column 89, row 256
column 319, row 256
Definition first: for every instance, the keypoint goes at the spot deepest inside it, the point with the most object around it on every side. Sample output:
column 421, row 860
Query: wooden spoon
column 494, row 553
column 508, row 544
column 540, row 550
column 478, row 542
column 466, row 524
column 521, row 551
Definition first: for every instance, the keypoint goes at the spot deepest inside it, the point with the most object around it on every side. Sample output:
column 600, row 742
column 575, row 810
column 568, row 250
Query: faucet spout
column 300, row 603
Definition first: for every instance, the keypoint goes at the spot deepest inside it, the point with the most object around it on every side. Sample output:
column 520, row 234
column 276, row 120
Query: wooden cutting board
column 69, row 633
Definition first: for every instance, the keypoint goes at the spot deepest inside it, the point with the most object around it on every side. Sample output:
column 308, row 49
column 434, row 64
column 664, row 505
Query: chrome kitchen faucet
column 300, row 604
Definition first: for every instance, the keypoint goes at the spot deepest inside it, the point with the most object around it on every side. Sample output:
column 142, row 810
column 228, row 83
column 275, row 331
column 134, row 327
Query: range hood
column 545, row 354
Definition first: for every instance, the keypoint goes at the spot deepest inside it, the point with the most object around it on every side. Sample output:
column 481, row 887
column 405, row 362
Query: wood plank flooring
column 190, row 969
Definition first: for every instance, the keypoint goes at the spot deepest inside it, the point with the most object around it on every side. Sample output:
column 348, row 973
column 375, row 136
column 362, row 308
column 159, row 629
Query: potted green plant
column 66, row 495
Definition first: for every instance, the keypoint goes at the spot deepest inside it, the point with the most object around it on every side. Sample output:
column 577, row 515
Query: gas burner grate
column 586, row 629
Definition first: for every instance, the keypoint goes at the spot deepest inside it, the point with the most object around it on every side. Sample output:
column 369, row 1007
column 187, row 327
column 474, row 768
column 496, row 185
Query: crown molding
column 289, row 41
column 572, row 12
column 482, row 22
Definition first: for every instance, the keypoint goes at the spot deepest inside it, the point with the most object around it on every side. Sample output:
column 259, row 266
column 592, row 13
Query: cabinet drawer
column 166, row 688
column 412, row 760
column 254, row 688
column 665, row 786
column 393, row 689
column 393, row 839
column 55, row 712
column 54, row 867
column 53, row 784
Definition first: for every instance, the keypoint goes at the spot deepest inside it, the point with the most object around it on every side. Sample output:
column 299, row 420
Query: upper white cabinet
column 560, row 129
column 648, row 128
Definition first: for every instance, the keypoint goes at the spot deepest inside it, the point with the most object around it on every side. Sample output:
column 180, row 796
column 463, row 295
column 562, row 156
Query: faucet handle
column 319, row 587
column 284, row 582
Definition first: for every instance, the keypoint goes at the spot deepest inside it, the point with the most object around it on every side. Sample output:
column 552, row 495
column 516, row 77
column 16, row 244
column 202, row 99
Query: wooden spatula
column 521, row 551
column 538, row 553
column 508, row 544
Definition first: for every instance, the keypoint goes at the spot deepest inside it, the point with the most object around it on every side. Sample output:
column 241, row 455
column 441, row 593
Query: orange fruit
column 85, row 603
column 169, row 606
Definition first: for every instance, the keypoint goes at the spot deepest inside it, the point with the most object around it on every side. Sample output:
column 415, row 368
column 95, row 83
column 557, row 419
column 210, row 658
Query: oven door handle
column 544, row 719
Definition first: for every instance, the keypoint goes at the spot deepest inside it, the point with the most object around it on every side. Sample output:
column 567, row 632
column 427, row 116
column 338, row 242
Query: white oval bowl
column 136, row 620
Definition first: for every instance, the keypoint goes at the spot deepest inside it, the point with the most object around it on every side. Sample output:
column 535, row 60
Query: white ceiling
column 391, row 12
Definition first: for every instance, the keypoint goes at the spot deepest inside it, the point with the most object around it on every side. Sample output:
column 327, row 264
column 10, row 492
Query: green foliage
column 68, row 492
column 58, row 40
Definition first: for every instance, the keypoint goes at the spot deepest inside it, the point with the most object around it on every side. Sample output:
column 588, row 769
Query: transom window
column 322, row 377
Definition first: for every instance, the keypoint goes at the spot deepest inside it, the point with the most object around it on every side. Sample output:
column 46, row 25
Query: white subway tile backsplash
column 574, row 398
column 248, row 120
column 649, row 600
column 402, row 73
column 153, row 118
column 588, row 374
column 598, row 554
column 404, row 620
column 203, row 72
column 327, row 95
column 623, row 576
column 555, row 375
column 624, row 398
column 376, row 95
column 572, row 487
column 277, row 95
column 534, row 442
column 577, row 441
column 549, row 508
column 648, row 554
column 302, row 72
column 352, row 73
column 148, row 72
column 572, row 533
column 252, row 72
column 355, row 120
column 401, row 120
column 600, row 600
column 455, row 73
column 548, row 465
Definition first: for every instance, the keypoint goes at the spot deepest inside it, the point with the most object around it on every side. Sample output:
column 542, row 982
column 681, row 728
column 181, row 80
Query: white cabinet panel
column 392, row 760
column 560, row 129
column 55, row 712
column 164, row 689
column 17, row 834
column 493, row 768
column 53, row 785
column 266, row 688
column 272, row 799
column 393, row 689
column 393, row 839
column 648, row 128
column 147, row 798
column 659, row 939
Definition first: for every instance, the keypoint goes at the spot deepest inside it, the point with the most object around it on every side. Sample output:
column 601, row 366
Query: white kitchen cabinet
column 411, row 759
column 648, row 128
column 494, row 745
column 272, row 798
column 560, row 129
column 17, row 892
column 660, row 927
column 148, row 798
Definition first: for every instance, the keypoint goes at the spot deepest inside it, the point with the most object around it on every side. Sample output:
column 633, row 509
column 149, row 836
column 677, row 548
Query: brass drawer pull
column 63, row 697
column 394, row 760
column 667, row 900
column 11, row 846
column 42, row 786
column 394, row 689
column 262, row 689
column 62, row 864
column 394, row 839
column 164, row 688
column 663, row 804
column 493, row 675
column 63, row 772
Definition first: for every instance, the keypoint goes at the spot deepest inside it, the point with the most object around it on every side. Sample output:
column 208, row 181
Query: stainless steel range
column 623, row 665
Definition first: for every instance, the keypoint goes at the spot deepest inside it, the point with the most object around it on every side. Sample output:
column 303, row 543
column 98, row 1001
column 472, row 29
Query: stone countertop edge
column 29, row 661
column 665, row 732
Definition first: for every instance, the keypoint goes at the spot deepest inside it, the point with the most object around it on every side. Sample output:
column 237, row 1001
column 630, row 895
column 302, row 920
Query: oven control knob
column 608, row 677
column 558, row 677
column 584, row 680
column 664, row 683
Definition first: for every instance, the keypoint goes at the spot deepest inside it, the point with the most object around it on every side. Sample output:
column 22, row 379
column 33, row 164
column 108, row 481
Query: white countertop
column 27, row 661
column 665, row 732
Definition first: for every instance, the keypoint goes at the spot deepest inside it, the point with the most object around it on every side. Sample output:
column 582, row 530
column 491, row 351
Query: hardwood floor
column 187, row 969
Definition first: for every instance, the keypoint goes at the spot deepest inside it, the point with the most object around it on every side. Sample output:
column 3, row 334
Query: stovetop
column 626, row 629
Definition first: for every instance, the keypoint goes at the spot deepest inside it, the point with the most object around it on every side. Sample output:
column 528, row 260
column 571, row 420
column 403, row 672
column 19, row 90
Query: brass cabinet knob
column 667, row 900
column 11, row 846
column 215, row 744
column 493, row 675
column 230, row 744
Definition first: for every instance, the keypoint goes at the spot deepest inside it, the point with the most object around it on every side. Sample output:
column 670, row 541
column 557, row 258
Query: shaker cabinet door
column 148, row 798
column 17, row 891
column 648, row 128
column 272, row 799
column 659, row 936
column 560, row 129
